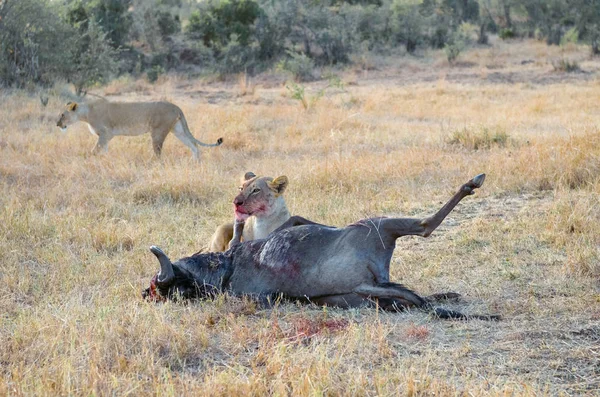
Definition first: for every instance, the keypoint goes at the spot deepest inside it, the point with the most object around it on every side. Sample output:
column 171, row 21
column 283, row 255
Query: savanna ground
column 400, row 139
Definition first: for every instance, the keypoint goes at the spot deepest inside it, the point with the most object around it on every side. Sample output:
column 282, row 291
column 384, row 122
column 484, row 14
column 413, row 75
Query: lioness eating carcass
column 347, row 267
column 260, row 204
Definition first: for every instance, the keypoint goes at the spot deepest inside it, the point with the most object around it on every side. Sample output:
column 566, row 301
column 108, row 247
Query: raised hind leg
column 393, row 228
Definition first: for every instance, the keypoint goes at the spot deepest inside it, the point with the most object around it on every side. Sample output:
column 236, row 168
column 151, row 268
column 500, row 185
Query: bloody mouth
column 152, row 293
column 240, row 213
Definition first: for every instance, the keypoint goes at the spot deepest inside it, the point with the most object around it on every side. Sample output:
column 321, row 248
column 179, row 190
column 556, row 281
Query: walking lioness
column 260, row 204
column 109, row 119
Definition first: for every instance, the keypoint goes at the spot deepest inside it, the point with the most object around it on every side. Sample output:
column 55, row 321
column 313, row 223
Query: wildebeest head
column 199, row 276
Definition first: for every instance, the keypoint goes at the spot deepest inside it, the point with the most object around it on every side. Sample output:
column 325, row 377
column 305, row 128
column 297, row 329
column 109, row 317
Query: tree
column 588, row 22
column 34, row 42
column 96, row 59
column 114, row 17
column 216, row 21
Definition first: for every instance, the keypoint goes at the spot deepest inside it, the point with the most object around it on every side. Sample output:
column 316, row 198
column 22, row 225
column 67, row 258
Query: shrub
column 95, row 59
column 168, row 23
column 298, row 65
column 35, row 43
column 154, row 73
column 506, row 33
column 571, row 36
column 566, row 65
column 459, row 40
column 216, row 21
column 236, row 57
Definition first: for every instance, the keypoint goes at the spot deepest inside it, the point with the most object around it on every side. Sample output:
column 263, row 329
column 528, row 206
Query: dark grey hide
column 347, row 267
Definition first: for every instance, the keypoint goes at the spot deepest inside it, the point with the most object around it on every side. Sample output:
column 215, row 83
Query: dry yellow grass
column 74, row 232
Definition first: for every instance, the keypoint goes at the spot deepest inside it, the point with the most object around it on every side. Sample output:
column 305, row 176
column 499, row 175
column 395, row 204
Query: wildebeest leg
column 397, row 227
column 444, row 296
column 343, row 301
column 402, row 296
column 296, row 221
column 395, row 297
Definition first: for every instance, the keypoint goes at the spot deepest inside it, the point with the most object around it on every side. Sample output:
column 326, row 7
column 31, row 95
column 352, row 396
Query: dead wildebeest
column 346, row 267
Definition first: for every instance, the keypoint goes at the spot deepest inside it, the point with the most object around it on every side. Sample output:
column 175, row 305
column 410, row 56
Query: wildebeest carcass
column 344, row 267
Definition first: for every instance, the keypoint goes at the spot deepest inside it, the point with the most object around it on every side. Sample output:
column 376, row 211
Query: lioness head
column 69, row 116
column 258, row 195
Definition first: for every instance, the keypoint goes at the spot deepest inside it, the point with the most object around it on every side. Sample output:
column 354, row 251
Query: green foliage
column 298, row 65
column 114, row 18
column 95, row 59
column 230, row 36
column 458, row 41
column 154, row 73
column 236, row 57
column 571, row 36
column 168, row 23
column 298, row 92
column 35, row 43
column 216, row 21
column 506, row 33
column 409, row 23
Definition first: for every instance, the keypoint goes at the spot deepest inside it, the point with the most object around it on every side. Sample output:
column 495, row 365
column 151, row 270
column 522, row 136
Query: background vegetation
column 87, row 42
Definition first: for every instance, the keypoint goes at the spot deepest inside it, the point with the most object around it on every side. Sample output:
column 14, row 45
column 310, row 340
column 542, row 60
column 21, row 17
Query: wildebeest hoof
column 473, row 184
column 478, row 180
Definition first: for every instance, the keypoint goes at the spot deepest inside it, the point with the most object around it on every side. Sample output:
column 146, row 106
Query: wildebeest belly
column 304, row 261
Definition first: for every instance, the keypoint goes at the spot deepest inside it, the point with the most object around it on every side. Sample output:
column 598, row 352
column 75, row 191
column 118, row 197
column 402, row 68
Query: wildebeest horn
column 166, row 274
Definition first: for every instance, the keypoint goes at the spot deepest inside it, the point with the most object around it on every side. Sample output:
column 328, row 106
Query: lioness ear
column 249, row 175
column 279, row 184
column 72, row 106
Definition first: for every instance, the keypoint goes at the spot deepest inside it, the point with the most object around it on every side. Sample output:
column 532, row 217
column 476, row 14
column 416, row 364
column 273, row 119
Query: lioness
column 108, row 119
column 260, row 204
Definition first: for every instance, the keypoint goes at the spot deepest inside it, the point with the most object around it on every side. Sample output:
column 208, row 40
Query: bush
column 216, row 21
column 35, row 43
column 154, row 73
column 236, row 57
column 459, row 40
column 298, row 65
column 114, row 17
column 506, row 33
column 95, row 59
column 168, row 23
column 571, row 36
